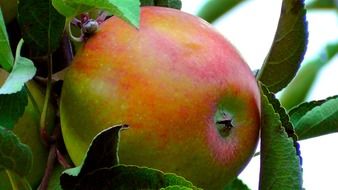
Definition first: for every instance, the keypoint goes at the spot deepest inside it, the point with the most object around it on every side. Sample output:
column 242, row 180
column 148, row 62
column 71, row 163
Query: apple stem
column 43, row 118
column 53, row 156
column 45, row 137
column 69, row 21
column 62, row 159
column 49, row 168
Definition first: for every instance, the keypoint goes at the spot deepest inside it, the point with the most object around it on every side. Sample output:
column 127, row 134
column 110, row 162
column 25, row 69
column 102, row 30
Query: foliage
column 280, row 155
column 298, row 89
column 104, row 171
column 291, row 32
column 315, row 118
column 214, row 9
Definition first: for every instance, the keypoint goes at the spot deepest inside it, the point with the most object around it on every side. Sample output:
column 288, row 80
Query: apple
column 27, row 129
column 192, row 103
column 9, row 9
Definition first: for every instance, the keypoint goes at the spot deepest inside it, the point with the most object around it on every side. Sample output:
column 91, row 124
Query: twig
column 49, row 168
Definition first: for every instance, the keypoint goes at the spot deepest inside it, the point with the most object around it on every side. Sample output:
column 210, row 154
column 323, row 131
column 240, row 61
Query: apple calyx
column 224, row 127
column 223, row 122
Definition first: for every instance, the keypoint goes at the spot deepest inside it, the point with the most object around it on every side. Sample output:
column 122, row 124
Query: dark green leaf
column 237, row 184
column 147, row 2
column 128, row 10
column 6, row 56
column 123, row 177
column 315, row 118
column 298, row 89
column 54, row 181
column 12, row 107
column 175, row 4
column 280, row 155
column 9, row 178
column 298, row 112
column 100, row 170
column 42, row 26
column 102, row 152
column 288, row 48
column 176, row 187
column 283, row 116
column 322, row 4
column 14, row 155
column 212, row 9
column 4, row 177
column 69, row 9
column 23, row 70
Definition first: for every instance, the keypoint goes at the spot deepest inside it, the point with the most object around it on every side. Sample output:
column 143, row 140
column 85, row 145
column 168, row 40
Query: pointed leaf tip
column 288, row 48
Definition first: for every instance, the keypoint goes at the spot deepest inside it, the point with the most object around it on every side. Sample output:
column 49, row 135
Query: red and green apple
column 191, row 101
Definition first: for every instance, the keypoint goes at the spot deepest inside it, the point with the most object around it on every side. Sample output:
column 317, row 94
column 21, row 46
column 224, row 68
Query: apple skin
column 27, row 129
column 169, row 80
column 9, row 9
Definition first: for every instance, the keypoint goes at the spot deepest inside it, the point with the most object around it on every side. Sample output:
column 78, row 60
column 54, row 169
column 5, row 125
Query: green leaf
column 41, row 25
column 280, row 155
column 6, row 56
column 128, row 10
column 237, row 184
column 298, row 89
column 288, row 48
column 12, row 181
column 123, row 177
column 213, row 9
column 283, row 116
column 14, row 155
column 54, row 181
column 100, row 170
column 147, row 2
column 146, row 178
column 316, row 118
column 12, row 107
column 69, row 9
column 6, row 176
column 175, row 4
column 322, row 4
column 102, row 152
column 176, row 187
column 23, row 70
